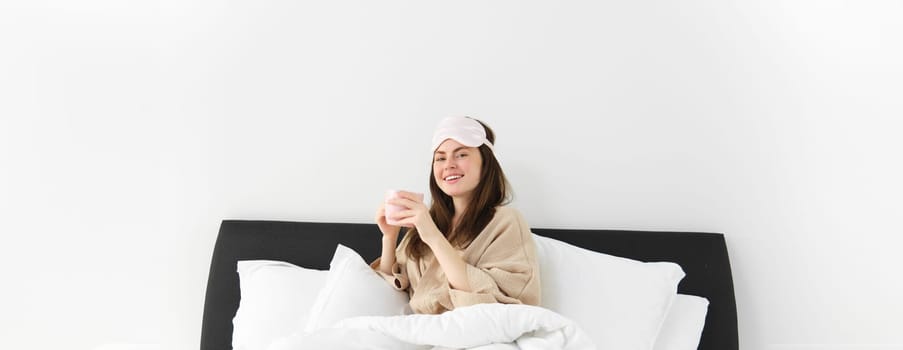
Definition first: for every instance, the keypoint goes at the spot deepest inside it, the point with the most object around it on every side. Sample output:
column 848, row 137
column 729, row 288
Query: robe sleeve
column 397, row 279
column 506, row 271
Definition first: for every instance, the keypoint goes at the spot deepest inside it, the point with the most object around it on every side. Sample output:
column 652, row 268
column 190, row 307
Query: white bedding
column 483, row 327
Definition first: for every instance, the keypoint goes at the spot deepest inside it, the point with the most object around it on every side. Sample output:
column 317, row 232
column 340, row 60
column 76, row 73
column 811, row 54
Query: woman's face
column 456, row 168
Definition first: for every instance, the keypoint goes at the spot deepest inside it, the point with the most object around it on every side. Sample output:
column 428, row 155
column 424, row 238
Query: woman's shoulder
column 507, row 226
column 508, row 216
column 504, row 211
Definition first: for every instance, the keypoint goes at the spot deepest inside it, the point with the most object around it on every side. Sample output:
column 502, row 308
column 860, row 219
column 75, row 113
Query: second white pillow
column 353, row 289
column 276, row 299
column 620, row 302
column 682, row 329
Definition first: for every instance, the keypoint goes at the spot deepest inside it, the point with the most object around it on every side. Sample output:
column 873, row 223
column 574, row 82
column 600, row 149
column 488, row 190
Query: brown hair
column 491, row 191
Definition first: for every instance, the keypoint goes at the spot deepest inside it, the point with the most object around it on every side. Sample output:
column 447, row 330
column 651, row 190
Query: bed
column 702, row 256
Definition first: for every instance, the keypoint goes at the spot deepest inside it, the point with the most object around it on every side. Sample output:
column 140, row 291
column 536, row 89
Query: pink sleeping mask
column 467, row 131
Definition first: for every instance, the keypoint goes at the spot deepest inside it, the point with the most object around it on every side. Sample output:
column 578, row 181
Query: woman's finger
column 410, row 195
column 404, row 202
column 404, row 214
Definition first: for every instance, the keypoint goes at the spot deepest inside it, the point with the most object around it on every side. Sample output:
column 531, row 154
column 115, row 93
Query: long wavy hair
column 492, row 191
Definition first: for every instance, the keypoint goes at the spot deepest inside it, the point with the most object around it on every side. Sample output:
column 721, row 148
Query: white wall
column 128, row 130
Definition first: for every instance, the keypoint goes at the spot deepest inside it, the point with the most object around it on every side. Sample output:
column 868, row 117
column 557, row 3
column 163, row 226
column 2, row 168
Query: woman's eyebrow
column 453, row 151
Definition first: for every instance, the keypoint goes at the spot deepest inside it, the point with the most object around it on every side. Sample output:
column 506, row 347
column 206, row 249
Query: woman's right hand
column 389, row 231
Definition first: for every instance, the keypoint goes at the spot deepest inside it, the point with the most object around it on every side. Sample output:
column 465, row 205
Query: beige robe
column 501, row 267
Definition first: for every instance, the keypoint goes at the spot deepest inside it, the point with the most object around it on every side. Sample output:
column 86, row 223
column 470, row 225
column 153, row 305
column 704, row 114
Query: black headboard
column 703, row 256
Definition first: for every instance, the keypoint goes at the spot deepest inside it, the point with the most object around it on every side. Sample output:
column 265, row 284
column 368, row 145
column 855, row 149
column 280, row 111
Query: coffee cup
column 392, row 209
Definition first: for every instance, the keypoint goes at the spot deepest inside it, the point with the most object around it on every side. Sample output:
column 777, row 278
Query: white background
column 129, row 129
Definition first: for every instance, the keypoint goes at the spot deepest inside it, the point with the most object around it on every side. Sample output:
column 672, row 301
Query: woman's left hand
column 416, row 214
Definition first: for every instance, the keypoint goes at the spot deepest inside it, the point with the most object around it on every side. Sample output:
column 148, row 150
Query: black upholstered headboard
column 703, row 256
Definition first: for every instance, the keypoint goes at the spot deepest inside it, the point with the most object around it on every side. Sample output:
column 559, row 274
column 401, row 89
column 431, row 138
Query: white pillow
column 621, row 303
column 683, row 325
column 353, row 289
column 276, row 298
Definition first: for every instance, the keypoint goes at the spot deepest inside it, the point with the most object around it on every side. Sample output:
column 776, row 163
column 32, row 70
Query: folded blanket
column 481, row 326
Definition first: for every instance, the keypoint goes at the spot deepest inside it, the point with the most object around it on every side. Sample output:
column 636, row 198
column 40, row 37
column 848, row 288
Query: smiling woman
column 467, row 248
column 450, row 164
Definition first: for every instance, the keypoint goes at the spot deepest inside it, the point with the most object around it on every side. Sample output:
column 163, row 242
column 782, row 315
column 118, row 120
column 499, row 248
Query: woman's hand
column 389, row 231
column 416, row 214
column 390, row 237
column 449, row 259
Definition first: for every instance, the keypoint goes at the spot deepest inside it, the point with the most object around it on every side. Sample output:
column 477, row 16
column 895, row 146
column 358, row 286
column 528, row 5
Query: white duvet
column 482, row 326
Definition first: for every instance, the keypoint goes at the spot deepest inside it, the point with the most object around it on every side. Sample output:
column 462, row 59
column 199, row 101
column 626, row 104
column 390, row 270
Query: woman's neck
column 460, row 204
column 460, row 207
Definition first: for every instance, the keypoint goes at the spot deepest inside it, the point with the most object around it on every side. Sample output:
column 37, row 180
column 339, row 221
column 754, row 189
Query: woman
column 467, row 248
